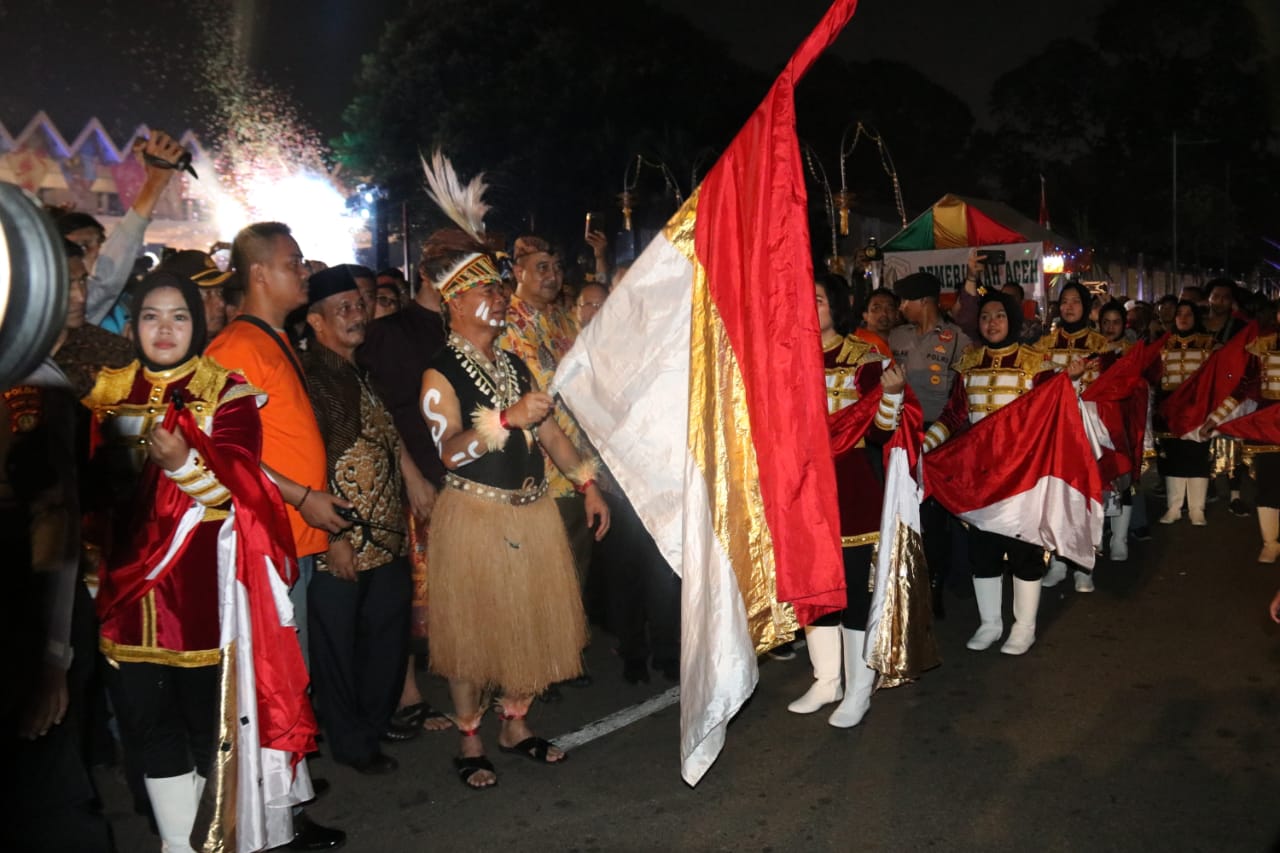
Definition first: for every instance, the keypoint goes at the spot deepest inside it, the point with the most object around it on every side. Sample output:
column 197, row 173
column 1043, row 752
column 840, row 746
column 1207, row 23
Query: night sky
column 128, row 60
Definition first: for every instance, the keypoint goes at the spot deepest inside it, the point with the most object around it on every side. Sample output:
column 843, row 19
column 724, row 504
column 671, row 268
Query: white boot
column 1269, row 525
column 988, row 592
column 1083, row 581
column 173, row 802
column 1175, row 489
column 1197, row 490
column 1120, row 534
column 859, row 681
column 824, row 653
column 1056, row 574
column 1026, row 601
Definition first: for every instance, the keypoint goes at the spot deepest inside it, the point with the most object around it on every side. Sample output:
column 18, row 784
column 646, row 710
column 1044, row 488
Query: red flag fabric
column 752, row 236
column 1189, row 406
column 285, row 718
column 849, row 425
column 1120, row 395
column 163, row 503
column 1044, row 205
column 1027, row 472
column 1262, row 426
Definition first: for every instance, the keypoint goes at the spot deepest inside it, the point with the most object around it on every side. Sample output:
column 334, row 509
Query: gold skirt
column 505, row 604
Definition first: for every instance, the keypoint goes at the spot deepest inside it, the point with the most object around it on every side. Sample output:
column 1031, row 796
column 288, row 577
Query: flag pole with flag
column 700, row 382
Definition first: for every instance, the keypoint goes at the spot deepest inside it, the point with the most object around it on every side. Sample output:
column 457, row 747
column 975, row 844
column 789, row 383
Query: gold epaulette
column 208, row 381
column 1262, row 345
column 1031, row 359
column 971, row 357
column 1087, row 339
column 855, row 351
column 113, row 385
column 1200, row 341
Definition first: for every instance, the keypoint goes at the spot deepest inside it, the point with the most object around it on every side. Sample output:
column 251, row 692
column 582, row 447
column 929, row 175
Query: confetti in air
column 268, row 164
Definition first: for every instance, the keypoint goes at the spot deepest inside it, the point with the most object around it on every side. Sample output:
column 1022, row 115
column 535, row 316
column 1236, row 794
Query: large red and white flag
column 1027, row 472
column 701, row 384
column 1117, row 404
column 1190, row 406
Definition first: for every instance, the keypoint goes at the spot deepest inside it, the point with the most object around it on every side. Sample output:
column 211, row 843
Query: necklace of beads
column 495, row 378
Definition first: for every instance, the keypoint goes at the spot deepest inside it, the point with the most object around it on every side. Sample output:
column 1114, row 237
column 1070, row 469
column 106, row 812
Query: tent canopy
column 957, row 221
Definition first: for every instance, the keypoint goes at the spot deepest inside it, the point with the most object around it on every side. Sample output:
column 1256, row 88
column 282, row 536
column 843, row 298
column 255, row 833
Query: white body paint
column 471, row 454
column 482, row 312
column 434, row 418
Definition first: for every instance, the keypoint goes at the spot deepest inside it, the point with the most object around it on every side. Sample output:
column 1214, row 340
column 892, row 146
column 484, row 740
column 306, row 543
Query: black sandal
column 533, row 747
column 415, row 715
column 468, row 766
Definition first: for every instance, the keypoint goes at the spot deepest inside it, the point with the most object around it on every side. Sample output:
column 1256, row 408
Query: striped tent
column 957, row 221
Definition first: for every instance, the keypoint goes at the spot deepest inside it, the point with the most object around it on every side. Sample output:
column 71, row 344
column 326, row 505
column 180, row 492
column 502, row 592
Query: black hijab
column 195, row 305
column 1197, row 328
column 1086, row 302
column 1014, row 313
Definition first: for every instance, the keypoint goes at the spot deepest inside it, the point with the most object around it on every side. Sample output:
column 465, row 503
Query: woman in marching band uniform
column 1070, row 339
column 993, row 374
column 159, row 598
column 836, row 641
column 1183, row 463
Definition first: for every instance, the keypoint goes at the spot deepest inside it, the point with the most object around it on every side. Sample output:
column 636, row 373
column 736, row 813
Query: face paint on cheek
column 437, row 421
column 482, row 312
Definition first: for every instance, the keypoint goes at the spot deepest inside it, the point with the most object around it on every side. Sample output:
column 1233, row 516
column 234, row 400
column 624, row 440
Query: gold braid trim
column 149, row 654
column 244, row 389
column 860, row 539
column 112, row 386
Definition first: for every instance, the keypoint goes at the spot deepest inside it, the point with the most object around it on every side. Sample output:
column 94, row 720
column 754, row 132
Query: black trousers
column 642, row 590
column 1266, row 468
column 1182, row 458
column 168, row 715
column 987, row 552
column 48, row 805
column 359, row 636
column 857, row 580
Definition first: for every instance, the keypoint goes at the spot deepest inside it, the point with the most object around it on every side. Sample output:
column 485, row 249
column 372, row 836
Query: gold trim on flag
column 216, row 825
column 905, row 645
column 720, row 442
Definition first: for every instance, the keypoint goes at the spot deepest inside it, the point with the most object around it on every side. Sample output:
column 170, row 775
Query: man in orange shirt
column 270, row 267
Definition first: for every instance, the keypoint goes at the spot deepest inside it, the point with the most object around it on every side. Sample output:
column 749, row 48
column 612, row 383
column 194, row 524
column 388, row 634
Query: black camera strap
column 284, row 347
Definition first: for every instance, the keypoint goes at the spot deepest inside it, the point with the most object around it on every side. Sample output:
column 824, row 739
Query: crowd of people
column 324, row 479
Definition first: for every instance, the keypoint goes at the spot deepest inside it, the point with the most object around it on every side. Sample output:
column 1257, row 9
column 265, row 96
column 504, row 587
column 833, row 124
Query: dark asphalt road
column 1145, row 718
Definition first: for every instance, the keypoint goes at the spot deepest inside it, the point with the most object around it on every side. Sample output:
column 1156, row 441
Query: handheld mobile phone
column 991, row 257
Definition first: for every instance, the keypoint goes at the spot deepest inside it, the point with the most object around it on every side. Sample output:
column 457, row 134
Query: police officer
column 927, row 346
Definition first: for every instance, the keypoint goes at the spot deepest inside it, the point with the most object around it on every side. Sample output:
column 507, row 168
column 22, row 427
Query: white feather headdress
column 464, row 205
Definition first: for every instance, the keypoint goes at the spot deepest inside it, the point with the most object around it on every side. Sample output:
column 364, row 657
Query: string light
column 631, row 178
column 819, row 174
column 886, row 162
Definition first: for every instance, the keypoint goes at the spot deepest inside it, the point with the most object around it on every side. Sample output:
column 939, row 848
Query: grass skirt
column 505, row 605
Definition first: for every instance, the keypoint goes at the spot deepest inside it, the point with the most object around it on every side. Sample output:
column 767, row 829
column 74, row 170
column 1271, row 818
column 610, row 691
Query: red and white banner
column 1027, row 472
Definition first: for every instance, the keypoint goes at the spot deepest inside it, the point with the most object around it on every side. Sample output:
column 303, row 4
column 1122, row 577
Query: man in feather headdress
column 508, row 616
